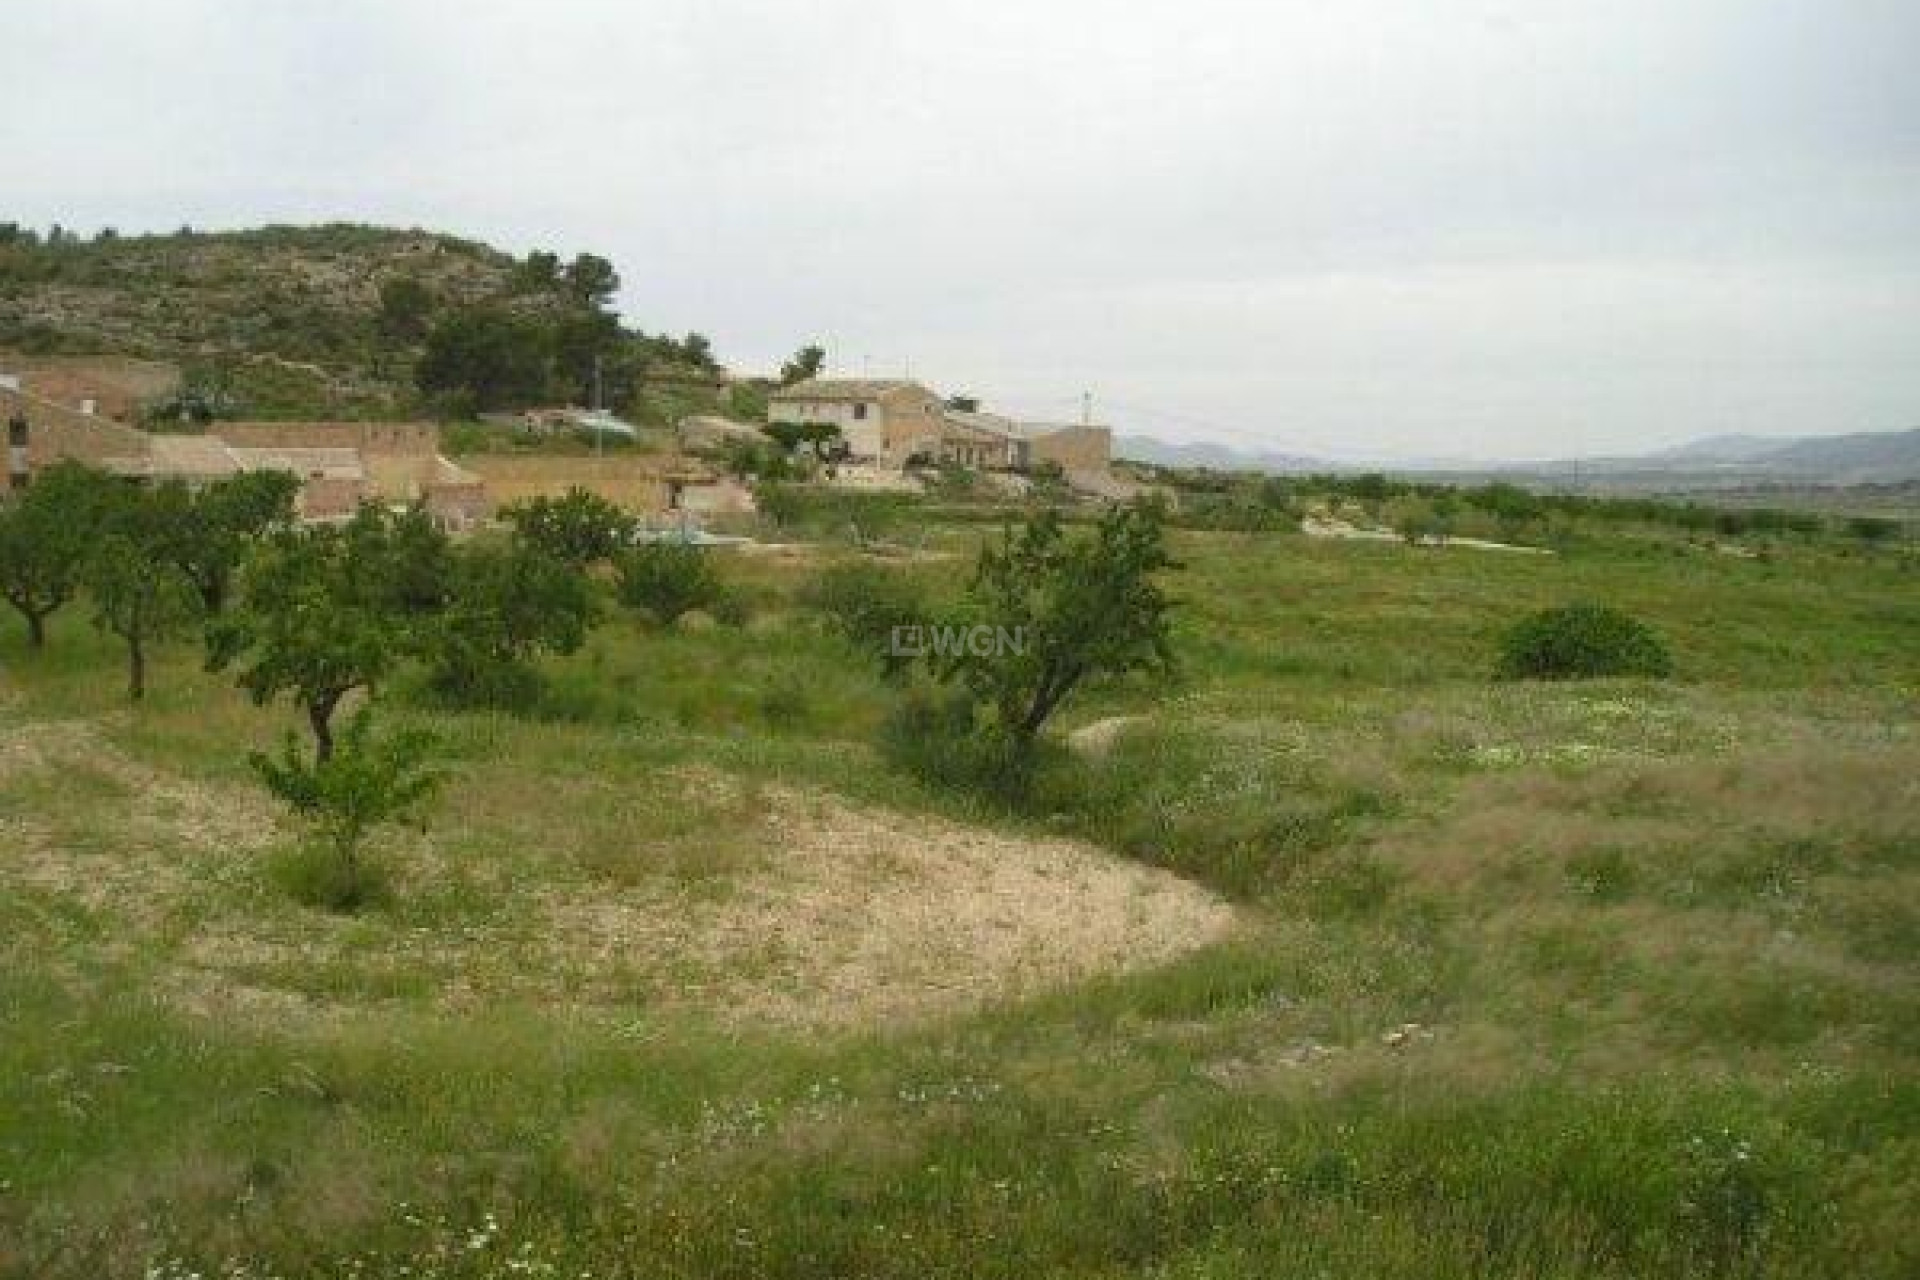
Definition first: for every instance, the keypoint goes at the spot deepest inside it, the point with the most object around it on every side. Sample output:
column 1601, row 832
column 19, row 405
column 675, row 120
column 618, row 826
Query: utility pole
column 1086, row 408
column 599, row 428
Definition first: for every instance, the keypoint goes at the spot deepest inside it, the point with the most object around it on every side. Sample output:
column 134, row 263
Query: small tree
column 577, row 529
column 1063, row 610
column 44, row 541
column 590, row 280
column 369, row 781
column 137, row 594
column 509, row 605
column 806, row 363
column 870, row 607
column 668, row 579
column 206, row 534
column 697, row 348
column 324, row 612
column 821, row 439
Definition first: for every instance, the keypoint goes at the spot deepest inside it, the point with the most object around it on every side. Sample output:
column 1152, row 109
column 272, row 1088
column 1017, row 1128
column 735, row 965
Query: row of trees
column 1420, row 509
column 321, row 618
column 316, row 614
column 151, row 560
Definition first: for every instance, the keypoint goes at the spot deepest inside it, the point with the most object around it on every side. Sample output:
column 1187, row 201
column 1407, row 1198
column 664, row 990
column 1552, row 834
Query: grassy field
column 1456, row 978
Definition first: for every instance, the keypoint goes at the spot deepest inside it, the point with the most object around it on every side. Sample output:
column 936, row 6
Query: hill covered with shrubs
column 337, row 320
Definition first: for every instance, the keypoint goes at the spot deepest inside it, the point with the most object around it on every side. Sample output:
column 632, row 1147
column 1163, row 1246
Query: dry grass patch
column 687, row 889
column 864, row 915
column 107, row 831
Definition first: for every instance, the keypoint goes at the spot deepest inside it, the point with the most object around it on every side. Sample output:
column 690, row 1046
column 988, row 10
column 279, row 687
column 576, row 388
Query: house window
column 859, row 411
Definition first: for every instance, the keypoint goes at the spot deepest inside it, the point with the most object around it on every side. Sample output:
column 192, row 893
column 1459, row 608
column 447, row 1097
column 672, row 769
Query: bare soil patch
column 869, row 916
column 829, row 915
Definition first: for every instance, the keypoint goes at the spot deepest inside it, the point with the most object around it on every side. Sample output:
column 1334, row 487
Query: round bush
column 1581, row 642
column 668, row 579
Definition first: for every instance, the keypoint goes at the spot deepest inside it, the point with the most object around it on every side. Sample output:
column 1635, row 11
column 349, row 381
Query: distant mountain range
column 1215, row 457
column 1716, row 461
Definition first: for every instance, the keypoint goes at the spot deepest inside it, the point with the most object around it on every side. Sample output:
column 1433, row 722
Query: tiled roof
column 847, row 389
column 342, row 464
column 196, row 456
column 991, row 424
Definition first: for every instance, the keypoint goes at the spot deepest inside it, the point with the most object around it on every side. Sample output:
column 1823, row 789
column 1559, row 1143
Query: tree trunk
column 320, row 720
column 36, row 631
column 136, row 667
column 351, row 862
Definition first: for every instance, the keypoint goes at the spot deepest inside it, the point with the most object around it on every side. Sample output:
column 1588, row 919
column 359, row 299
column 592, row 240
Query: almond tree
column 207, row 533
column 509, row 604
column 137, row 594
column 324, row 612
column 1071, row 609
column 372, row 780
column 44, row 541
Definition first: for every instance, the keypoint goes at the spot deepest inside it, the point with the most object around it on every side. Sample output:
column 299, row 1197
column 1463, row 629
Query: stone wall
column 1074, row 448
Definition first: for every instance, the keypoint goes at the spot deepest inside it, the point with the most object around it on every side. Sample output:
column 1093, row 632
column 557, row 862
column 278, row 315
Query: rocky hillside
column 294, row 321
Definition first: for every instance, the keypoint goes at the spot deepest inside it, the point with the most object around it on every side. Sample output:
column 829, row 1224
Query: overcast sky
column 1374, row 228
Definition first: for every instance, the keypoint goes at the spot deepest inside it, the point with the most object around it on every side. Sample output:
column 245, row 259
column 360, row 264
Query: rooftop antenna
column 1086, row 408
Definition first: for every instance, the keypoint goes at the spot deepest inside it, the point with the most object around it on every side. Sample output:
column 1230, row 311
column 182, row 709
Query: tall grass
column 1603, row 981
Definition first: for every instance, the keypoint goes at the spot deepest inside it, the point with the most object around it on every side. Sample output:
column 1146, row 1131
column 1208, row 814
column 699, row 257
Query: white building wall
column 862, row 433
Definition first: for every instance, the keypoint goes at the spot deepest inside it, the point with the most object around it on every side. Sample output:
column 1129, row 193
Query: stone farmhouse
column 892, row 422
column 340, row 464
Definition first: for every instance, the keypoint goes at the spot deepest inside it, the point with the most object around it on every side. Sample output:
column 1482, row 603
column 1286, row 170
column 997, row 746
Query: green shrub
column 668, row 579
column 866, row 605
column 1270, row 820
column 731, row 608
column 1580, row 642
column 786, row 704
column 934, row 735
column 508, row 605
column 1873, row 530
column 313, row 875
column 370, row 780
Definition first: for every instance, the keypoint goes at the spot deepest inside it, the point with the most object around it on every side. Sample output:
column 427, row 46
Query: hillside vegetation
column 332, row 320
